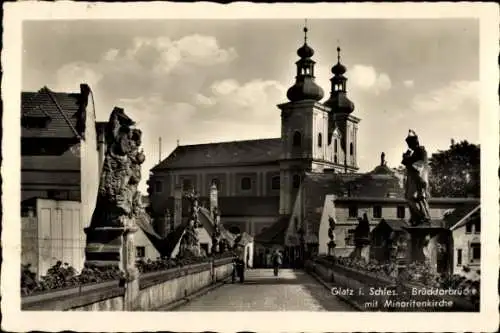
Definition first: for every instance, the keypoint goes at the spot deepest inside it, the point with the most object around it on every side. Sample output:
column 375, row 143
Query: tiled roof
column 395, row 225
column 459, row 213
column 144, row 223
column 173, row 238
column 376, row 184
column 223, row 154
column 275, row 234
column 316, row 186
column 50, row 163
column 65, row 124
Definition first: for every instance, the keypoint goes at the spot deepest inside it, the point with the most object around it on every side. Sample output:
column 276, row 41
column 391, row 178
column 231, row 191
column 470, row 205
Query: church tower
column 304, row 128
column 342, row 125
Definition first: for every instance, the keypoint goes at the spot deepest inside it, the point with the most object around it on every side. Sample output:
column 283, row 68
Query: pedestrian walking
column 277, row 260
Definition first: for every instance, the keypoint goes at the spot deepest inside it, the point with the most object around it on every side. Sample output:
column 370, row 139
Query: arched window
column 275, row 183
column 351, row 148
column 335, row 146
column 320, row 140
column 296, row 181
column 297, row 139
column 246, row 183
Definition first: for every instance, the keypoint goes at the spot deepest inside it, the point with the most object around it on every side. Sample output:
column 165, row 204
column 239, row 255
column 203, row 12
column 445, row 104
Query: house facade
column 466, row 235
column 58, row 186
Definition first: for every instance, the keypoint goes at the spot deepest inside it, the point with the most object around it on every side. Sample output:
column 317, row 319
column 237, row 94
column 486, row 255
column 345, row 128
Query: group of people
column 239, row 266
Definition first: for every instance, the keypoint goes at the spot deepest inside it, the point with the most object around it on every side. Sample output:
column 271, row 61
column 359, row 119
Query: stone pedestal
column 362, row 249
column 424, row 244
column 111, row 246
column 105, row 246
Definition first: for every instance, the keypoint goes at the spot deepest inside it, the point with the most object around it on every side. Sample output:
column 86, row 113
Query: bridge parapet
column 156, row 289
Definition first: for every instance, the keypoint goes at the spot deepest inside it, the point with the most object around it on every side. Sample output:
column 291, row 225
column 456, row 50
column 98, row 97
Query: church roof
column 250, row 152
column 275, row 234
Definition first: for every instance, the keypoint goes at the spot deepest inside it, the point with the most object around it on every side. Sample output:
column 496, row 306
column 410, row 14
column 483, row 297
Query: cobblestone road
column 262, row 291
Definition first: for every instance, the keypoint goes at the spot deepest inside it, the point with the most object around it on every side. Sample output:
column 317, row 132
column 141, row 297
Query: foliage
column 62, row 276
column 455, row 172
column 146, row 266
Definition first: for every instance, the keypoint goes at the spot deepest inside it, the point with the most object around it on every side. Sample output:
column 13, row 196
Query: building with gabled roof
column 62, row 151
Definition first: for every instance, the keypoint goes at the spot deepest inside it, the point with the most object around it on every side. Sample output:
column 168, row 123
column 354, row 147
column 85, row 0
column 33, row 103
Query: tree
column 455, row 172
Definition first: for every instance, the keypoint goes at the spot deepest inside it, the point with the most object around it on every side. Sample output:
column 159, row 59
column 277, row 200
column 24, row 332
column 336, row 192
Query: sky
column 200, row 81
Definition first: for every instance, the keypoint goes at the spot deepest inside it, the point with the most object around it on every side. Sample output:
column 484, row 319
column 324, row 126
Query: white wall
column 60, row 234
column 89, row 161
column 462, row 241
column 141, row 239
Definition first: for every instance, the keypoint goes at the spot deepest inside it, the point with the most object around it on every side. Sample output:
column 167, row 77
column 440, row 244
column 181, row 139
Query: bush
column 62, row 275
column 160, row 264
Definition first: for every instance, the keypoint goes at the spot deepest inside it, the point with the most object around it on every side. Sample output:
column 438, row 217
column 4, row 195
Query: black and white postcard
column 250, row 167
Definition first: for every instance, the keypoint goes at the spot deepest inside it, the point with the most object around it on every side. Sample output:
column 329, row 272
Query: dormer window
column 35, row 118
column 35, row 122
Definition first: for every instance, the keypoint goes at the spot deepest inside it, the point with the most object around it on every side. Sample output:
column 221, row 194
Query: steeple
column 305, row 87
column 338, row 101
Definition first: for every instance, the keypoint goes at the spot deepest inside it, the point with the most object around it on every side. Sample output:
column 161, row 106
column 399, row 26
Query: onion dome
column 338, row 101
column 306, row 90
column 305, row 87
column 305, row 51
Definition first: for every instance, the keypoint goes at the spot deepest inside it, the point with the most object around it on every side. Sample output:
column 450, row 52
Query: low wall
column 155, row 289
column 370, row 292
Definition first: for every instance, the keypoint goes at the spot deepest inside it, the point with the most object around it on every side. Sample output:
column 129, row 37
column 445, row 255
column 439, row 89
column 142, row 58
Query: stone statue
column 362, row 239
column 110, row 236
column 417, row 181
column 383, row 162
column 193, row 198
column 362, row 231
column 216, row 236
column 189, row 245
column 331, row 235
column 118, row 200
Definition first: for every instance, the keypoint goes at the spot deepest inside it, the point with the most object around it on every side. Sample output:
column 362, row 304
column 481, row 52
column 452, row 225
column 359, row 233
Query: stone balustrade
column 156, row 289
column 371, row 292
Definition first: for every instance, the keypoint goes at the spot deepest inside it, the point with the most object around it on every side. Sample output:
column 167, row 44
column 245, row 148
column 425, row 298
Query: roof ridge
column 226, row 142
column 49, row 92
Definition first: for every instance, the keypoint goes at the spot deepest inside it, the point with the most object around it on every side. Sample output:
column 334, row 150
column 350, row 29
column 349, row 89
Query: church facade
column 258, row 180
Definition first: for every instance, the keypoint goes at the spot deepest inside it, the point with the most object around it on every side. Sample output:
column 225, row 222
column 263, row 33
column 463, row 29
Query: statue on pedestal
column 190, row 245
column 119, row 203
column 361, row 238
column 217, row 235
column 417, row 180
column 331, row 234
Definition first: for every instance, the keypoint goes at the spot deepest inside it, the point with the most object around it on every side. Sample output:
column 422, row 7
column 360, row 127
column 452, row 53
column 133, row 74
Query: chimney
column 177, row 205
column 84, row 92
